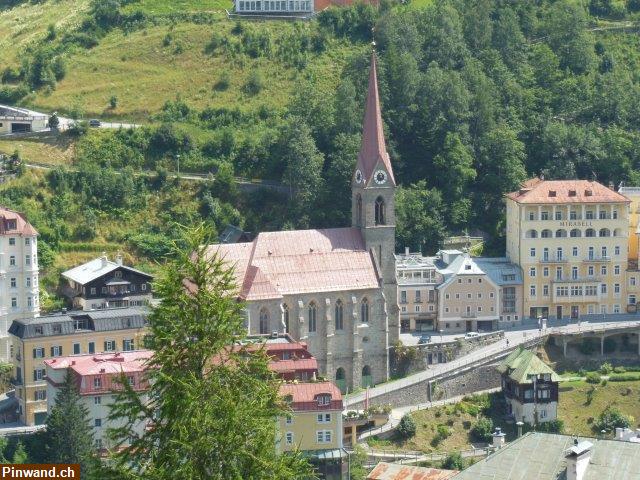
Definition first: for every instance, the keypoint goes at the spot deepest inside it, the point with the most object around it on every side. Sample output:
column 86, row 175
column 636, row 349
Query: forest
column 477, row 95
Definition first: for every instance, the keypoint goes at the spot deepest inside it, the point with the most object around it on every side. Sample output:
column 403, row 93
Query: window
column 324, row 417
column 12, row 260
column 97, row 382
column 131, row 380
column 38, row 374
column 545, row 272
column 574, row 251
column 56, row 351
column 339, row 320
column 491, row 295
column 616, row 309
column 532, row 252
column 93, row 290
column 574, row 273
column 39, row 330
column 544, row 215
column 27, row 259
column 323, row 400
column 418, row 296
column 590, row 271
column 543, row 394
column 109, row 345
column 379, row 211
column 479, row 295
column 40, row 395
column 29, row 301
column 143, row 287
column 13, row 282
column 97, row 422
column 12, row 241
column 558, row 215
column 289, row 438
column 545, row 290
column 558, row 273
column 28, row 282
column 264, row 321
column 632, row 281
column 364, row 310
column 417, row 308
column 118, row 274
column 616, row 288
column 528, row 394
column 38, row 352
column 632, row 299
column 403, row 296
column 128, row 345
column 533, row 290
column 532, row 272
column 312, row 312
column 616, row 270
column 104, row 290
column 92, row 347
column 469, row 296
column 603, row 270
column 603, row 288
column 288, row 420
column 323, row 436
column 532, row 216
column 97, row 400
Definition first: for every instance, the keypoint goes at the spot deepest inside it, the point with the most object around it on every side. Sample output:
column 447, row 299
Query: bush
column 223, row 81
column 442, row 432
column 407, row 427
column 606, row 368
column 255, row 83
column 619, row 370
column 482, row 430
column 611, row 419
column 625, row 377
column 554, row 426
column 593, row 377
column 453, row 461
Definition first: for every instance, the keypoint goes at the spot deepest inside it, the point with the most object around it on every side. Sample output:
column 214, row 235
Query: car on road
column 469, row 335
column 94, row 123
column 424, row 339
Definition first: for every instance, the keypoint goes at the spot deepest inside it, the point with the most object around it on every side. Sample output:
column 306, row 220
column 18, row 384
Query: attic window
column 572, row 193
column 588, row 193
column 39, row 330
column 552, row 193
column 57, row 328
column 11, row 225
column 323, row 399
column 467, row 267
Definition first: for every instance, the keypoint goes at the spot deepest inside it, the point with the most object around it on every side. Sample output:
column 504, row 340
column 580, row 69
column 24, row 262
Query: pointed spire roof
column 373, row 149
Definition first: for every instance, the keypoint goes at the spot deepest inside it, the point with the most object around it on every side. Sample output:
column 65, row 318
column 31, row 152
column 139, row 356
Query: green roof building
column 530, row 387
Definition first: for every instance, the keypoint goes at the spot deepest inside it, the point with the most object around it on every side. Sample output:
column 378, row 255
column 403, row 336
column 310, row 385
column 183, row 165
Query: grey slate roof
column 541, row 456
column 97, row 320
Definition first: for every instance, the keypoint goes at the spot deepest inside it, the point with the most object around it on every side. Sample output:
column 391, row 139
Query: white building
column 97, row 377
column 19, row 292
column 20, row 120
column 271, row 7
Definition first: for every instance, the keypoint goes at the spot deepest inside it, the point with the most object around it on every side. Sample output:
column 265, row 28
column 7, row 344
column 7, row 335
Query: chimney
column 498, row 438
column 519, row 424
column 578, row 458
column 104, row 259
column 611, row 186
column 119, row 258
column 406, row 251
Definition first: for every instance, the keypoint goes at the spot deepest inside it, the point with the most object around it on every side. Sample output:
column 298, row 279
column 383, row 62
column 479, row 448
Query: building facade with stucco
column 334, row 289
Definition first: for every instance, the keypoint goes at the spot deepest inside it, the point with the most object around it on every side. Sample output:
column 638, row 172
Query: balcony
column 469, row 315
column 577, row 280
column 597, row 258
column 554, row 259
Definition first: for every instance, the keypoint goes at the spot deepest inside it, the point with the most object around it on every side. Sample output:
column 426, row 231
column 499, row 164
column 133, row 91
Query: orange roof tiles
column 565, row 191
column 393, row 471
column 300, row 261
column 304, row 395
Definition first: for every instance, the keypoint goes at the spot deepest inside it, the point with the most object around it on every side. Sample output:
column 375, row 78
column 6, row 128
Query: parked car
column 469, row 335
column 424, row 339
column 94, row 123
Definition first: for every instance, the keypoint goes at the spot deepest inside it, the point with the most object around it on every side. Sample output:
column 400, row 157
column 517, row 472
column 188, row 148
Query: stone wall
column 465, row 382
column 416, row 361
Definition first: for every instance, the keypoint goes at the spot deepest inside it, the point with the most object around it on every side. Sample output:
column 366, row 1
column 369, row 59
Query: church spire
column 373, row 149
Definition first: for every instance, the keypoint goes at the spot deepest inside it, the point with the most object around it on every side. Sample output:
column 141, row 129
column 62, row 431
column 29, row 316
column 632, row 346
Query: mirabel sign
column 576, row 224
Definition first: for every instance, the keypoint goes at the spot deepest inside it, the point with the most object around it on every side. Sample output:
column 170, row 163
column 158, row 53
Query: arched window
column 341, row 379
column 546, row 234
column 339, row 315
column 617, row 232
column 605, row 232
column 359, row 209
column 364, row 310
column 285, row 317
column 561, row 233
column 380, row 211
column 367, row 380
column 590, row 232
column 340, row 374
column 575, row 233
column 264, row 321
column 532, row 234
column 313, row 312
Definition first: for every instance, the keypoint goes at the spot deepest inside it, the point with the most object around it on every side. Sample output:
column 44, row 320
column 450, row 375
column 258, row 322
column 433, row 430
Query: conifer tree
column 69, row 436
column 212, row 406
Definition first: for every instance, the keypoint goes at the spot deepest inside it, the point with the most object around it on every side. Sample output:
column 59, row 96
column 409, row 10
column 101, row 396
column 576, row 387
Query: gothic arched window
column 339, row 315
column 380, row 211
column 364, row 310
column 313, row 311
column 359, row 210
column 264, row 321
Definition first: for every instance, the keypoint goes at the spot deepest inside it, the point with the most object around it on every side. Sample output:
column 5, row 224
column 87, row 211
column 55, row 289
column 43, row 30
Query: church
column 334, row 289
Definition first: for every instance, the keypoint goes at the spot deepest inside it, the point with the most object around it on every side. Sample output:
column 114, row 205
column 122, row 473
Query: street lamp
column 178, row 160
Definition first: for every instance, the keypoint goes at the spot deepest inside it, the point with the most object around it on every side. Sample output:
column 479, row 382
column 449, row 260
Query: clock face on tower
column 380, row 177
column 358, row 176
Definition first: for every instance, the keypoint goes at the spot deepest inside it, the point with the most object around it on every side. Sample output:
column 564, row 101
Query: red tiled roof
column 539, row 191
column 304, row 394
column 23, row 227
column 373, row 149
column 394, row 471
column 284, row 366
column 300, row 261
column 111, row 363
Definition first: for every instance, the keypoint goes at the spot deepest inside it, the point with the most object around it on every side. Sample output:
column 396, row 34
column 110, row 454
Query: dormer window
column 467, row 267
column 552, row 193
column 323, row 399
column 588, row 193
column 11, row 225
column 572, row 193
column 39, row 330
column 57, row 328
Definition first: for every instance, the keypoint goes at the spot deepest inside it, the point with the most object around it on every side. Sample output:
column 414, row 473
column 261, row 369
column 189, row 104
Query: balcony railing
column 577, row 280
column 597, row 258
column 553, row 259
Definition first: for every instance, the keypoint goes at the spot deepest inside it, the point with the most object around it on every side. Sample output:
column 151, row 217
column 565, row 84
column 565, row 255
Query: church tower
column 373, row 203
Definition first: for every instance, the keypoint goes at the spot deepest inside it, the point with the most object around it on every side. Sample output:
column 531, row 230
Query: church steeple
column 373, row 151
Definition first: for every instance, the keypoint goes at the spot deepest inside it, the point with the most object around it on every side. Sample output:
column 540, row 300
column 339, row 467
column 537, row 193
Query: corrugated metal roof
column 542, row 456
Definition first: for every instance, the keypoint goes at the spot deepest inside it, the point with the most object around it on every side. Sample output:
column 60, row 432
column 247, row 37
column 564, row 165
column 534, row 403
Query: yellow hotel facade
column 571, row 239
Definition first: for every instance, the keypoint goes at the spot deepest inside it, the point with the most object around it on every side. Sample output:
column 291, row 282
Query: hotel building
column 570, row 238
column 73, row 333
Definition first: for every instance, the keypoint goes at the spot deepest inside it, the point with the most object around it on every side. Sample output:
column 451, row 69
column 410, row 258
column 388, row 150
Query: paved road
column 526, row 335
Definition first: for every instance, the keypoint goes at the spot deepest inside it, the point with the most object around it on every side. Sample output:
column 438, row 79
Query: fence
column 412, row 457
